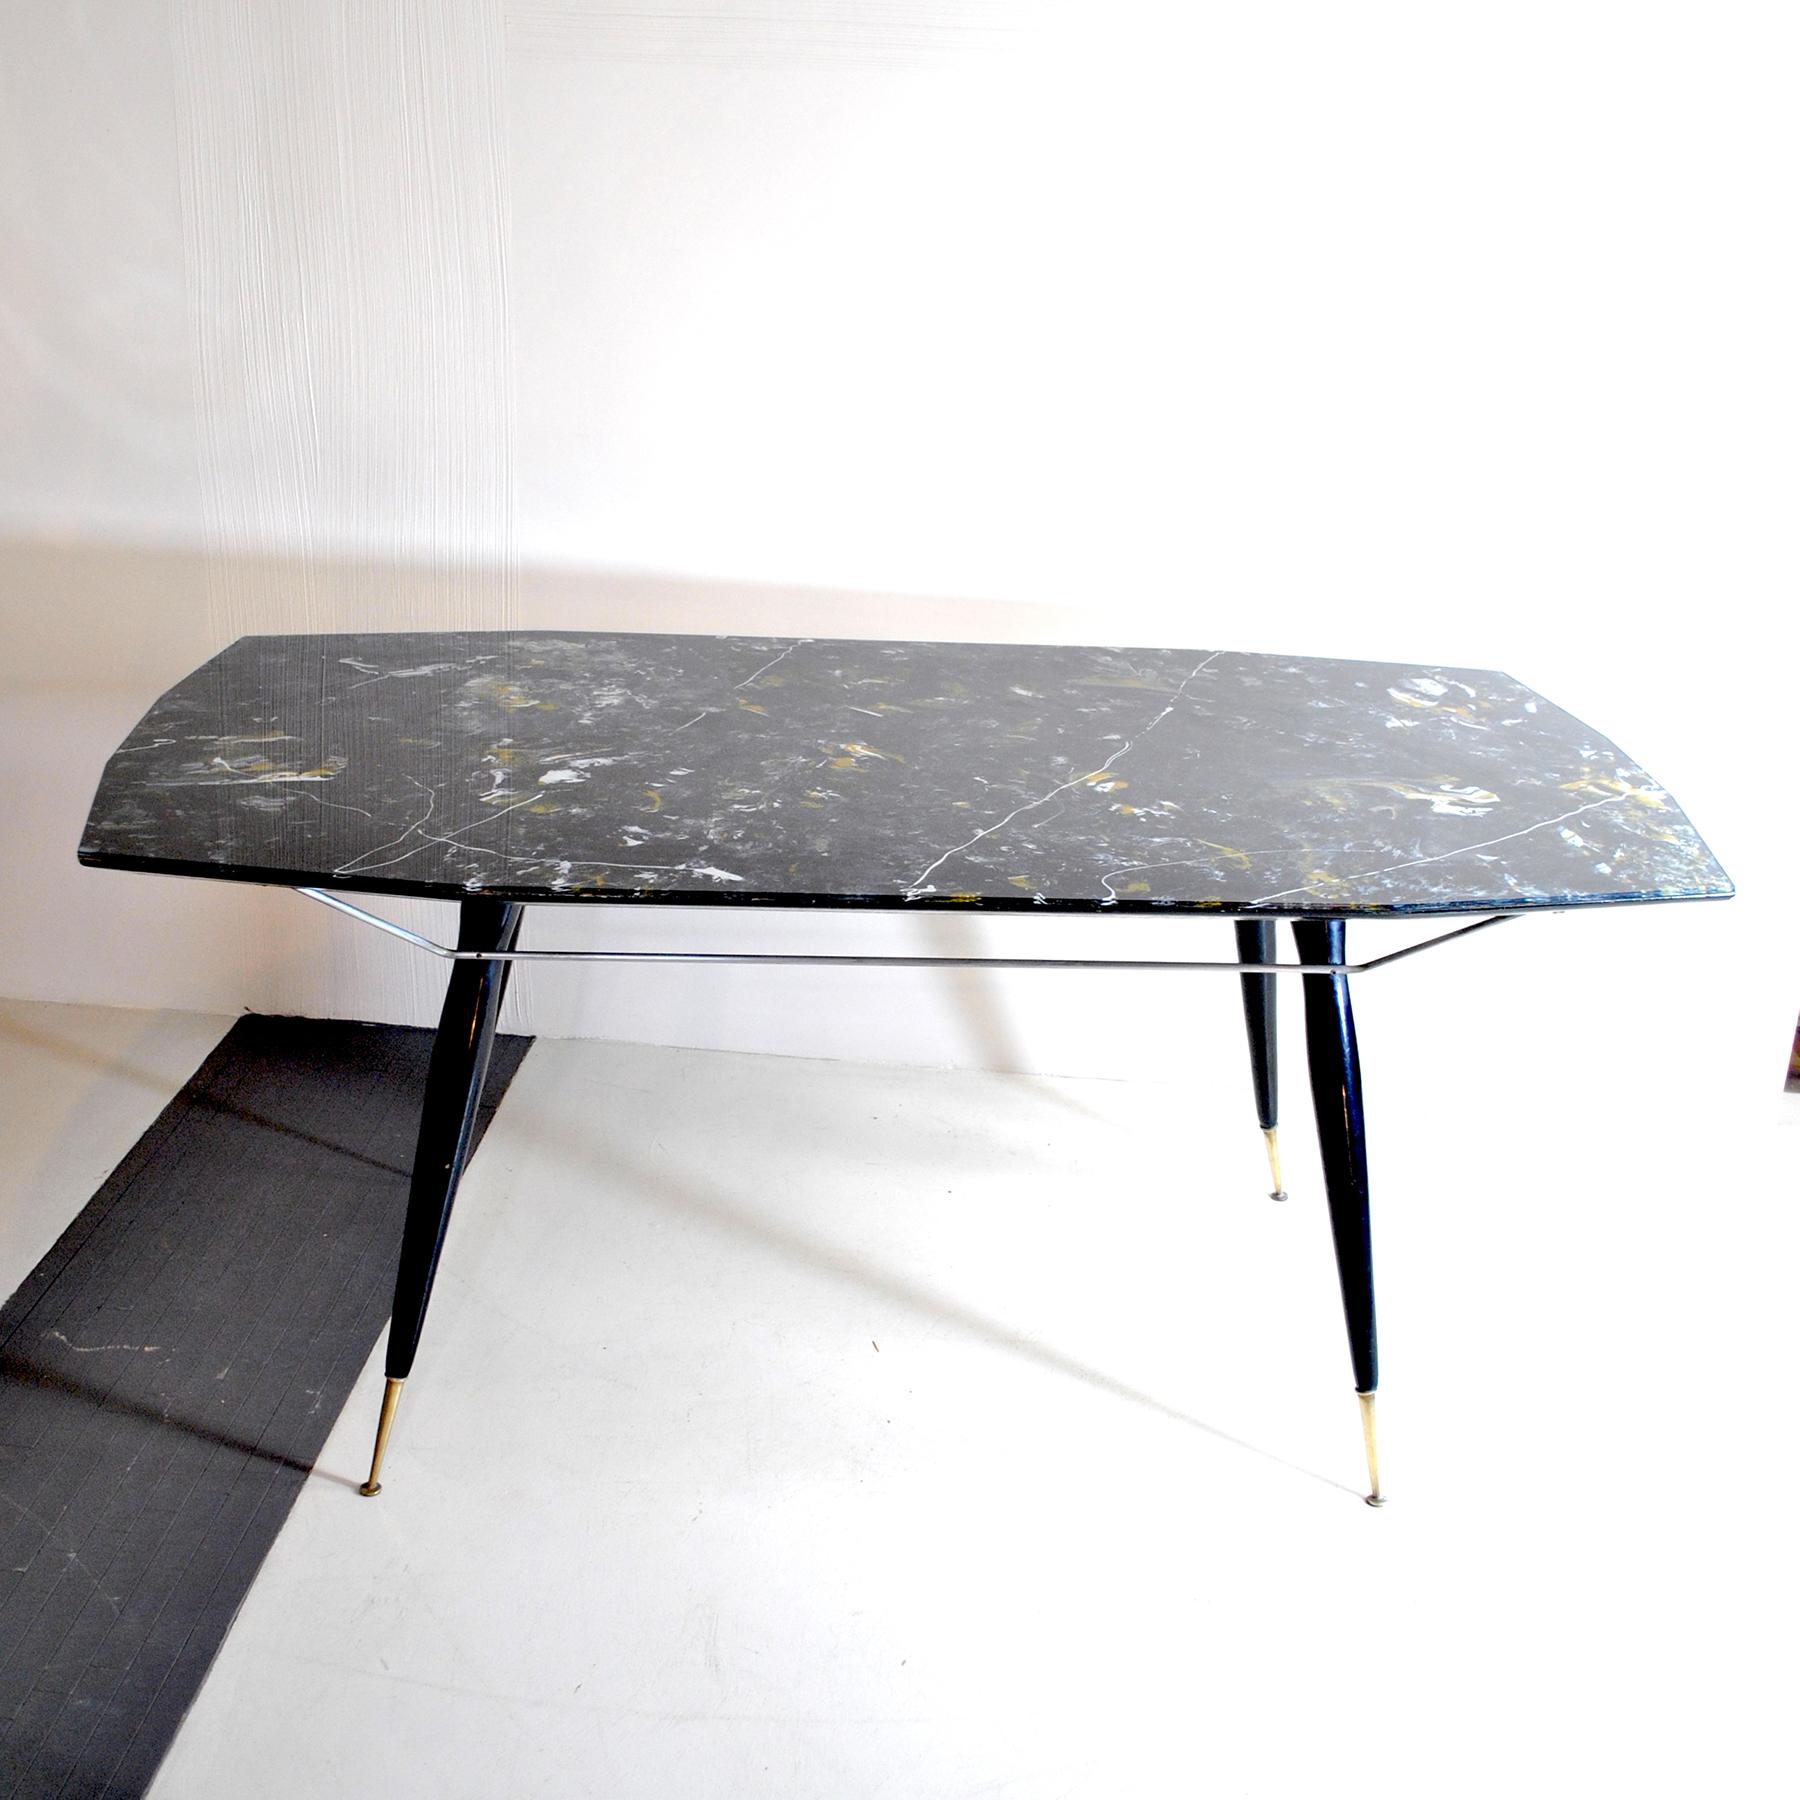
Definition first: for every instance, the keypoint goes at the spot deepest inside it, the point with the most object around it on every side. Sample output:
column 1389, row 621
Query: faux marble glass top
column 799, row 771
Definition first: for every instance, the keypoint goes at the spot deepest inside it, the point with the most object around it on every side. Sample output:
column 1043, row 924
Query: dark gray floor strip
column 169, row 1372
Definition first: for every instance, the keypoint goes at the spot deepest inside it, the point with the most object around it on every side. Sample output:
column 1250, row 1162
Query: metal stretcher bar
column 785, row 959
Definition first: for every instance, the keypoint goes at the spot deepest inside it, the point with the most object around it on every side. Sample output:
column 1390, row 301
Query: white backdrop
column 1410, row 331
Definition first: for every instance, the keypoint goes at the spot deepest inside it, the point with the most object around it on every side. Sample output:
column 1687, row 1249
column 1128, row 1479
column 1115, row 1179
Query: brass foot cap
column 1374, row 1500
column 370, row 1489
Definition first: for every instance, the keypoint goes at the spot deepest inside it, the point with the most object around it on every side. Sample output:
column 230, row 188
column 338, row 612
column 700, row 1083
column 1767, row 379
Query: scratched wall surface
column 828, row 34
column 344, row 221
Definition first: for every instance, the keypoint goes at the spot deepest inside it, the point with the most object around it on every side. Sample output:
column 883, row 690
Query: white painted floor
column 808, row 1429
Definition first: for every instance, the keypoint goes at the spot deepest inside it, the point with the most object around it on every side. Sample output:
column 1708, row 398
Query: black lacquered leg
column 460, row 1055
column 1337, row 1104
column 1256, row 944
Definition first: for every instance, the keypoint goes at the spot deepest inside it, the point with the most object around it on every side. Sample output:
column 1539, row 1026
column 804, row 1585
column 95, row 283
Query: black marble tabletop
column 589, row 767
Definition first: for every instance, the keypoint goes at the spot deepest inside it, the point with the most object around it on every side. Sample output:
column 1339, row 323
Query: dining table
column 502, row 771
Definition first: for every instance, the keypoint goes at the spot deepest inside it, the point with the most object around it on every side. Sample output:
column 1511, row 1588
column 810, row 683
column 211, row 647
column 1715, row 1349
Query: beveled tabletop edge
column 884, row 903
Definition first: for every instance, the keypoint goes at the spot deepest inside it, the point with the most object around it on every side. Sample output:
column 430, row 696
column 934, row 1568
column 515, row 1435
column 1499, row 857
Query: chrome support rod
column 783, row 960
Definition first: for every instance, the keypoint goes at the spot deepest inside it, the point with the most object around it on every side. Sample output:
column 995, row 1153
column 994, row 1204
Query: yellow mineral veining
column 514, row 699
column 1615, row 786
column 257, row 774
column 855, row 753
column 1239, row 859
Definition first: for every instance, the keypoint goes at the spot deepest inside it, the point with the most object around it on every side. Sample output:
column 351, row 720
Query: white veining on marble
column 916, row 887
column 1419, row 862
column 773, row 660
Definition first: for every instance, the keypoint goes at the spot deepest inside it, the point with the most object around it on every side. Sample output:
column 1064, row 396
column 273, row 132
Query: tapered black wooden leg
column 460, row 1055
column 1256, row 944
column 1337, row 1104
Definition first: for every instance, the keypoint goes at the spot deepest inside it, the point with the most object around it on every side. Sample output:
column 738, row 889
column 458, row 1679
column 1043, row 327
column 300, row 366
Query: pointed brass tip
column 1277, row 1191
column 390, row 1401
column 1374, row 1496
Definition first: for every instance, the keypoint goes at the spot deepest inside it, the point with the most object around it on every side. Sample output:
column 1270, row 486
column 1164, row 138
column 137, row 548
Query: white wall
column 1414, row 331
